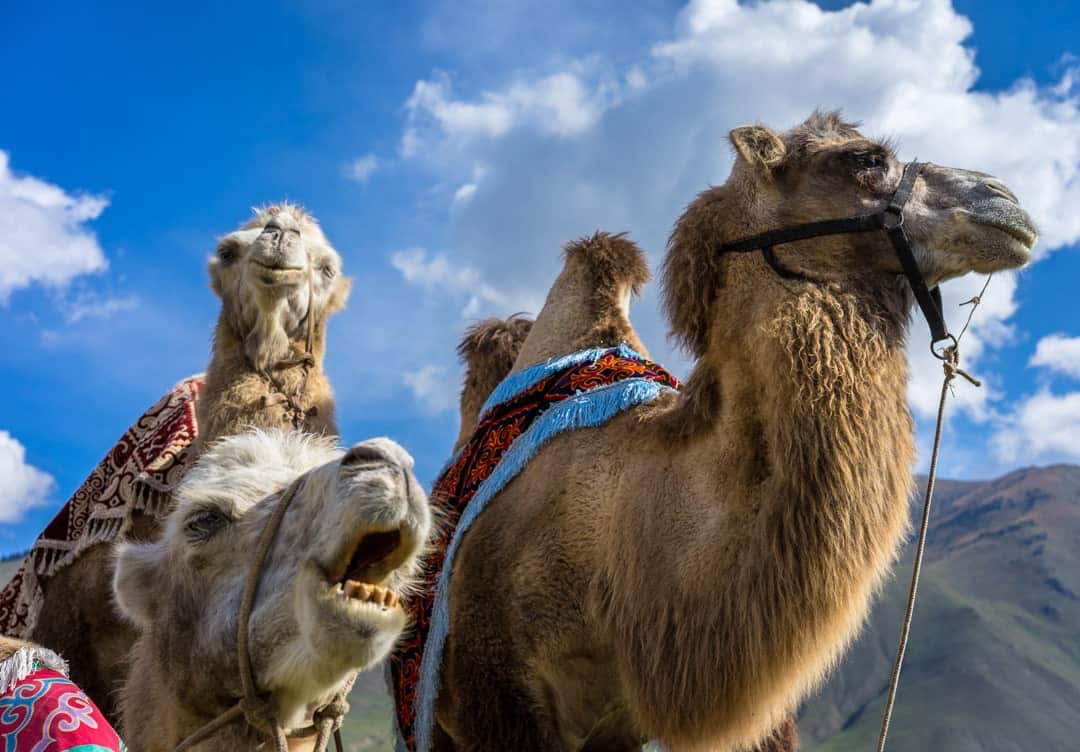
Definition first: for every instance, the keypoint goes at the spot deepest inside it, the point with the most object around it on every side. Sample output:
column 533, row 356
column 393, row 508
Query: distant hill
column 994, row 658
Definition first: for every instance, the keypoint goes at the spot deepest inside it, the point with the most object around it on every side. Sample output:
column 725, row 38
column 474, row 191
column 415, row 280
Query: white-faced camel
column 279, row 281
column 688, row 571
column 327, row 603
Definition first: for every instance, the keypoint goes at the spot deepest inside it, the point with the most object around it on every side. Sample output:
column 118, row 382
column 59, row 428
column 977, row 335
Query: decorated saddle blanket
column 41, row 710
column 525, row 411
column 138, row 473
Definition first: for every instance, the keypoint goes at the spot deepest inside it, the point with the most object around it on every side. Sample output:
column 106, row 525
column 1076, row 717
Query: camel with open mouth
column 328, row 598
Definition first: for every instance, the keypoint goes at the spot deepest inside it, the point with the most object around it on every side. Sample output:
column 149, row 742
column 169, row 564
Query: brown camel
column 690, row 570
column 488, row 351
column 327, row 603
column 274, row 275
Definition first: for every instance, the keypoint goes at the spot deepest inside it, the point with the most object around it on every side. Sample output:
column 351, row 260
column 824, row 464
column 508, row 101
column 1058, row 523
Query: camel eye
column 866, row 162
column 228, row 253
column 328, row 271
column 204, row 524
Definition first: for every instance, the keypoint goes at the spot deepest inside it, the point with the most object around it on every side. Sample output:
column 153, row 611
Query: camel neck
column 791, row 499
column 235, row 393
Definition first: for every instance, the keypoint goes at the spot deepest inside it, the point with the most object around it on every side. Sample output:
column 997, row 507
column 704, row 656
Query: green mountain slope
column 994, row 658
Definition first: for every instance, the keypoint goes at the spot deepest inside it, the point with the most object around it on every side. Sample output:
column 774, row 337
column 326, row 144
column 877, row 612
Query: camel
column 275, row 276
column 488, row 351
column 586, row 307
column 327, row 605
column 691, row 569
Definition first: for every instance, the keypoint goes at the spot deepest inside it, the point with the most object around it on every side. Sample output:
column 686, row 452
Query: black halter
column 890, row 219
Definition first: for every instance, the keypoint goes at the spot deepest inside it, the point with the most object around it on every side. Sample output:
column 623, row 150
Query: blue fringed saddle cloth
column 525, row 411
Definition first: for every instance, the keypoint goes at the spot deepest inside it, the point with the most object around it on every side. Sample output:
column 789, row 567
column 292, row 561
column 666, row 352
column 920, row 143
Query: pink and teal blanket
column 41, row 710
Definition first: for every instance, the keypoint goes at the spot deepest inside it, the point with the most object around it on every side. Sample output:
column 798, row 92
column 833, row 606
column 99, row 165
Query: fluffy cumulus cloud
column 623, row 142
column 1043, row 428
column 1058, row 353
column 22, row 485
column 44, row 237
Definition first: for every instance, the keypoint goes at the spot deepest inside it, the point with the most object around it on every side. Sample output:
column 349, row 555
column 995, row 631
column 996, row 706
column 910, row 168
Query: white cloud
column 433, row 388
column 624, row 141
column 464, row 194
column 560, row 105
column 1044, row 428
column 22, row 486
column 362, row 168
column 438, row 275
column 43, row 234
column 91, row 306
column 1058, row 353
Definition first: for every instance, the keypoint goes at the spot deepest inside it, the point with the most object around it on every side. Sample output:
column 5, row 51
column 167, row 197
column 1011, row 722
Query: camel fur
column 488, row 351
column 327, row 605
column 690, row 570
column 261, row 273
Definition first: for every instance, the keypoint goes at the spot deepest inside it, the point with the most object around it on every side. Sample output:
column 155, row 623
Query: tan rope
column 951, row 363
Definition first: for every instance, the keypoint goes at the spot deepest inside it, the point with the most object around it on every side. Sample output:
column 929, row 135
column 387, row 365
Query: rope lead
column 950, row 358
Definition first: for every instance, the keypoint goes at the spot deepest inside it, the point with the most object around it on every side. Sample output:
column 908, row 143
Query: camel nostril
column 998, row 188
column 367, row 452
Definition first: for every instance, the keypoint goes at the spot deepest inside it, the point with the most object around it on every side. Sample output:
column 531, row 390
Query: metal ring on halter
column 942, row 354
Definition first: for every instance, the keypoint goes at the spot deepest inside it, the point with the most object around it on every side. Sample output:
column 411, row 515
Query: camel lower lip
column 1021, row 235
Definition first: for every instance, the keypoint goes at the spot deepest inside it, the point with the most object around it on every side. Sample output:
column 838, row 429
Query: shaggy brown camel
column 587, row 306
column 275, row 275
column 327, row 604
column 488, row 351
column 688, row 571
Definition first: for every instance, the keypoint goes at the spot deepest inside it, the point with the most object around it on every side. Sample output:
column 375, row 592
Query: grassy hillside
column 994, row 658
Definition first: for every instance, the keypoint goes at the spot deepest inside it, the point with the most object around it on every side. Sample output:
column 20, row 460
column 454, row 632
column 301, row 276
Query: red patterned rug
column 138, row 473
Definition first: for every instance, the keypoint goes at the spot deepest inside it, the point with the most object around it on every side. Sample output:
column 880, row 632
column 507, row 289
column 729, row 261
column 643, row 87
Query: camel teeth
column 388, row 599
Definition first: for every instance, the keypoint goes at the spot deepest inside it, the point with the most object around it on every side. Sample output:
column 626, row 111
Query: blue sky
column 448, row 149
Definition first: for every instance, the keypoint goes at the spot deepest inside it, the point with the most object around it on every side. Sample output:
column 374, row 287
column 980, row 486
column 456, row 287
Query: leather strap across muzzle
column 890, row 220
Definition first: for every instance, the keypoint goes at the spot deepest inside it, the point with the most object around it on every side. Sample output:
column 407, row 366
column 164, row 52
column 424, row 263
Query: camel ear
column 339, row 296
column 759, row 146
column 137, row 581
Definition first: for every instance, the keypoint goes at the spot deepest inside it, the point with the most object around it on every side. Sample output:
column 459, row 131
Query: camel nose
column 377, row 451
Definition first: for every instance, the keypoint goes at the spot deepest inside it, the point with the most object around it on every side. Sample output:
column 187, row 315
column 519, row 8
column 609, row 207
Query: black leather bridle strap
column 929, row 302
column 890, row 220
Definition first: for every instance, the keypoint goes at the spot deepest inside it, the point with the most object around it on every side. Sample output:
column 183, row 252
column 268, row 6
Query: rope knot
column 334, row 712
column 260, row 713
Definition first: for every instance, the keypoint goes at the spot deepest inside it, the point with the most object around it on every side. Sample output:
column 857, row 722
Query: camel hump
column 493, row 344
column 613, row 259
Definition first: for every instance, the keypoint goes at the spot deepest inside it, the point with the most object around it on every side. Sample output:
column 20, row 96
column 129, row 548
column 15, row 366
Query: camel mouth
column 1024, row 235
column 277, row 274
column 361, row 572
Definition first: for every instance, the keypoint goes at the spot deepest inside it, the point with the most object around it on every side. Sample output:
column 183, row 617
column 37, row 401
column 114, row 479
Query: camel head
column 957, row 221
column 327, row 604
column 273, row 273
